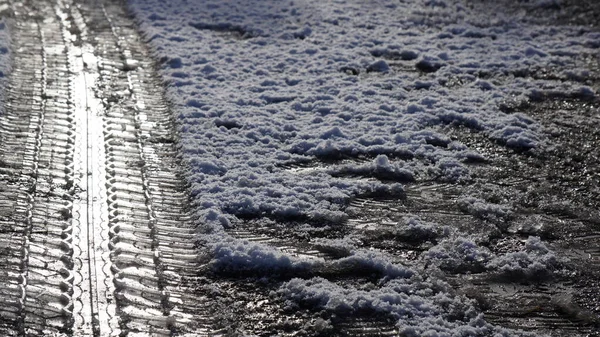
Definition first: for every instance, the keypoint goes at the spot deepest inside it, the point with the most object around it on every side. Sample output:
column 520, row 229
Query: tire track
column 146, row 202
column 534, row 307
column 96, row 312
column 45, row 278
column 107, row 244
column 16, row 183
column 31, row 161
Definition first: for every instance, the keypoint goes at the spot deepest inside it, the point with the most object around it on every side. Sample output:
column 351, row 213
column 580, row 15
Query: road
column 97, row 236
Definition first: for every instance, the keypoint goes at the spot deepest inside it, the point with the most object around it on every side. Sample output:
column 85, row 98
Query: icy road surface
column 95, row 233
column 300, row 168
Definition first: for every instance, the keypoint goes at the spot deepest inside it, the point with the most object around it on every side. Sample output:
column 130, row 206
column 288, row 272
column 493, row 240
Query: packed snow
column 261, row 88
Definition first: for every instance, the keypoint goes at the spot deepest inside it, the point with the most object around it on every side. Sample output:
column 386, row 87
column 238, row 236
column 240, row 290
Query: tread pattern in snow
column 91, row 188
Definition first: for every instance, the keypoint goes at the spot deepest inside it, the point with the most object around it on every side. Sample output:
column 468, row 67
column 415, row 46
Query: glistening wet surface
column 96, row 230
column 97, row 236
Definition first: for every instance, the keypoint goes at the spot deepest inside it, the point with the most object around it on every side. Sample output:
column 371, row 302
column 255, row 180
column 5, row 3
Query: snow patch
column 535, row 261
column 459, row 255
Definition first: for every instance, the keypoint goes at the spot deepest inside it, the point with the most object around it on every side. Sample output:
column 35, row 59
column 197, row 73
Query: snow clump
column 533, row 262
column 459, row 255
column 421, row 307
column 233, row 256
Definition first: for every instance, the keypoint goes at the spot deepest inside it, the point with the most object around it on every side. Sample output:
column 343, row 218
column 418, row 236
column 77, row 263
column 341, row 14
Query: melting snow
column 257, row 85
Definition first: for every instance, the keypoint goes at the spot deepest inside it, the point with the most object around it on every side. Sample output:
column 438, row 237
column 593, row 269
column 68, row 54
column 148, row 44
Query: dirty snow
column 258, row 84
column 422, row 307
column 261, row 86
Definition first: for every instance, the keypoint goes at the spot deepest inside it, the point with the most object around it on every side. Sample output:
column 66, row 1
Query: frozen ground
column 268, row 94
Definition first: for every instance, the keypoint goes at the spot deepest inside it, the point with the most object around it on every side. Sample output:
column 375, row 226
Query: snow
column 422, row 307
column 464, row 255
column 459, row 255
column 380, row 167
column 259, row 86
column 533, row 262
column 415, row 230
column 362, row 261
column 482, row 209
column 231, row 255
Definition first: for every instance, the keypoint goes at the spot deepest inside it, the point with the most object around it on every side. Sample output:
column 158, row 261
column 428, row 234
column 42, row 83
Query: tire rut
column 94, row 194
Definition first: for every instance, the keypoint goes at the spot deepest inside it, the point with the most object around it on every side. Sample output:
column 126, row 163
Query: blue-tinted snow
column 459, row 255
column 463, row 255
column 259, row 84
